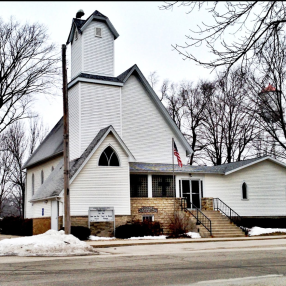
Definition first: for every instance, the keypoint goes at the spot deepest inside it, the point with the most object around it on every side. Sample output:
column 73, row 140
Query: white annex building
column 121, row 151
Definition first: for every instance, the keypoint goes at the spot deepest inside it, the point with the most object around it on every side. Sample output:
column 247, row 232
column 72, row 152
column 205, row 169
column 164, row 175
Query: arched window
column 244, row 191
column 33, row 184
column 42, row 177
column 108, row 158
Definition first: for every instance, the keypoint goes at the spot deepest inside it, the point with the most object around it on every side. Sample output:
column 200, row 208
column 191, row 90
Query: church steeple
column 92, row 45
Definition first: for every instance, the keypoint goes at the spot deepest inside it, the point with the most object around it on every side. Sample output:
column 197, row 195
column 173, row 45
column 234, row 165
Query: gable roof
column 81, row 25
column 54, row 184
column 51, row 147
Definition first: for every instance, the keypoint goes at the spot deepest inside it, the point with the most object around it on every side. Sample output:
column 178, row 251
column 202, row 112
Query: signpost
column 101, row 214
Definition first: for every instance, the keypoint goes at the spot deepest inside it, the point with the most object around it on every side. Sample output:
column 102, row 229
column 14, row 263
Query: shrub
column 81, row 232
column 17, row 226
column 138, row 229
column 180, row 224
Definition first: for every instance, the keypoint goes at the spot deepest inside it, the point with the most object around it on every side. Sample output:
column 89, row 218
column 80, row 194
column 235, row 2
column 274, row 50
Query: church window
column 148, row 218
column 244, row 191
column 42, row 177
column 33, row 184
column 108, row 158
column 138, row 186
column 76, row 35
column 162, row 186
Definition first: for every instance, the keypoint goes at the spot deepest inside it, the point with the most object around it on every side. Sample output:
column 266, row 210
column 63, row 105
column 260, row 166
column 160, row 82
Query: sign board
column 147, row 210
column 100, row 214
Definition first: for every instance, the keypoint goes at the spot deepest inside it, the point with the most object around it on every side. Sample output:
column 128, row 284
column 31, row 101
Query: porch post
column 149, row 186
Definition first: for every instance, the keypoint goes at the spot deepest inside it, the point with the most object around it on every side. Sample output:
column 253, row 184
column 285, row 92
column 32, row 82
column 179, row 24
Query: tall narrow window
column 244, row 191
column 42, row 177
column 108, row 158
column 33, row 184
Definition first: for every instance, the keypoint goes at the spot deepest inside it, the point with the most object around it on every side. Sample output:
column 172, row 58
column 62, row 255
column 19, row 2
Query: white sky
column 146, row 35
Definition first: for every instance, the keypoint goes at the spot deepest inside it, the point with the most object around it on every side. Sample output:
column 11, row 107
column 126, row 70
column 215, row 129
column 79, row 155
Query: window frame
column 246, row 191
column 108, row 160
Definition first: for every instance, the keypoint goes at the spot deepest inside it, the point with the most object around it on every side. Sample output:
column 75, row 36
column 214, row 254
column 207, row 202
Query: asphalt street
column 220, row 263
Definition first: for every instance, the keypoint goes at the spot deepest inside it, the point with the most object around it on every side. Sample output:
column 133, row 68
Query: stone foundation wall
column 161, row 208
column 41, row 225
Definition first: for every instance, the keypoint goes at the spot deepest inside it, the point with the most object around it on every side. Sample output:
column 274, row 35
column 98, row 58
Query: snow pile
column 50, row 243
column 259, row 230
column 93, row 237
column 193, row 234
column 148, row 237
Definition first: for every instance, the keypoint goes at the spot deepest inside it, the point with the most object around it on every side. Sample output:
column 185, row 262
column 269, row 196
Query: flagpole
column 174, row 185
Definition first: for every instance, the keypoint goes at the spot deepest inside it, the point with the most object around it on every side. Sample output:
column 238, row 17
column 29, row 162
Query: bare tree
column 5, row 173
column 153, row 79
column 235, row 31
column 16, row 145
column 28, row 65
column 267, row 90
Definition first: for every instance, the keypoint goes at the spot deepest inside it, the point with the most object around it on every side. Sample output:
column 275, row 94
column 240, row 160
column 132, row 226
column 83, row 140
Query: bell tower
column 92, row 45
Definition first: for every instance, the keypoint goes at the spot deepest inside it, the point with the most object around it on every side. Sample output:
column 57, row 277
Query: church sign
column 99, row 214
column 147, row 210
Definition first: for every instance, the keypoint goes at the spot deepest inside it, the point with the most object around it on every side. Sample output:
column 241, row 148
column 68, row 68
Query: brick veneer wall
column 41, row 225
column 207, row 204
column 165, row 208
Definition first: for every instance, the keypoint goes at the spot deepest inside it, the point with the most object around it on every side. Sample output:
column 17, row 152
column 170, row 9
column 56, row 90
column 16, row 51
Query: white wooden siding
column 100, row 107
column 47, row 168
column 98, row 52
column 76, row 56
column 266, row 189
column 74, row 121
column 37, row 209
column 144, row 130
column 99, row 186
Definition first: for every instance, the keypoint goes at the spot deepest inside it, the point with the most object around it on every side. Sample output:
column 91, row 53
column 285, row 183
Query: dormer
column 92, row 45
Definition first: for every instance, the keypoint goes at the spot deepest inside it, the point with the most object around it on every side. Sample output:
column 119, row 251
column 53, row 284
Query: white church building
column 121, row 151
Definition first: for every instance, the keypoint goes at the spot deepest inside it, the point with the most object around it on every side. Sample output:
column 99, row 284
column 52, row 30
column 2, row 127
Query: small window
column 76, row 35
column 244, row 191
column 53, row 168
column 148, row 218
column 33, row 184
column 98, row 32
column 108, row 158
column 42, row 177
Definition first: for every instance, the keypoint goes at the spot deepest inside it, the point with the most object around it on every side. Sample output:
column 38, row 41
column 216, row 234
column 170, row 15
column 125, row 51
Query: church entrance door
column 192, row 192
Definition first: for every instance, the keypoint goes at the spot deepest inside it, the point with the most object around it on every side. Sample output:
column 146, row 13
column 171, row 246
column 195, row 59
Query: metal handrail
column 199, row 215
column 221, row 206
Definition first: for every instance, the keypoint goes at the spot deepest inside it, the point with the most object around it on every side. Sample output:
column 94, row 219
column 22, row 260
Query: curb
column 113, row 243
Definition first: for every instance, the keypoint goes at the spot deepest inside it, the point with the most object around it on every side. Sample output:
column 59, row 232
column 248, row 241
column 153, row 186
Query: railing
column 198, row 215
column 234, row 217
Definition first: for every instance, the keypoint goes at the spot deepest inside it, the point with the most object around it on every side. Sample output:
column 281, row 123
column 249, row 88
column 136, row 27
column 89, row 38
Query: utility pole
column 66, row 144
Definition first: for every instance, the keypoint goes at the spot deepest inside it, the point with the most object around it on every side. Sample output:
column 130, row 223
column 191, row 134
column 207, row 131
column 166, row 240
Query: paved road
column 220, row 263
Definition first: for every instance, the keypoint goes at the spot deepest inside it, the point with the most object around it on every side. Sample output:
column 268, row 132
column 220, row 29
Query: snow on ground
column 50, row 243
column 259, row 230
column 148, row 237
column 193, row 234
column 93, row 237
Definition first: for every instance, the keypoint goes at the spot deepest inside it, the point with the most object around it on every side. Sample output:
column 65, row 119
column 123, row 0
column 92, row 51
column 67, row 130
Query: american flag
column 176, row 153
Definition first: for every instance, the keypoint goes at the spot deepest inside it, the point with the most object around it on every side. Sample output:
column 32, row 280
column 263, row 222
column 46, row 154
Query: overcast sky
column 146, row 35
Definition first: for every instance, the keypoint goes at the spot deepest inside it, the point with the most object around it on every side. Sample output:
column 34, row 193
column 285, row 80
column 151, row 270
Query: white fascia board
column 162, row 109
column 88, row 80
column 258, row 161
column 129, row 154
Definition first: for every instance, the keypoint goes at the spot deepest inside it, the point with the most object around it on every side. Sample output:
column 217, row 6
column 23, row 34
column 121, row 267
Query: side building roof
column 51, row 147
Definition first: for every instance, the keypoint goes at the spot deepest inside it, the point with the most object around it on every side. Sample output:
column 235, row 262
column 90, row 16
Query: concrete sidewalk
column 129, row 242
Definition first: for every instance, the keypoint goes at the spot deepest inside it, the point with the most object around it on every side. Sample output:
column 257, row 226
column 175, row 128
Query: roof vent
column 79, row 14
